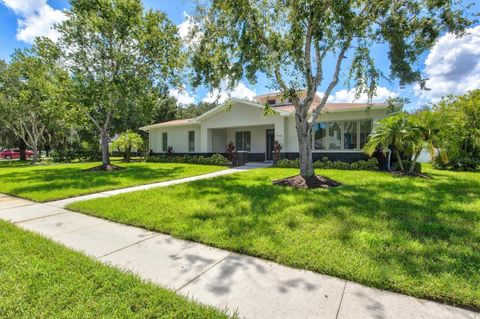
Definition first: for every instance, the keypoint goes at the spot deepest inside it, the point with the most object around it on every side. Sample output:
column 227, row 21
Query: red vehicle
column 14, row 153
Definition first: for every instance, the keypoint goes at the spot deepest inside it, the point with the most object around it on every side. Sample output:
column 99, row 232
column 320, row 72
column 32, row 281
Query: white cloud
column 240, row 91
column 35, row 18
column 452, row 66
column 184, row 30
column 348, row 96
column 183, row 97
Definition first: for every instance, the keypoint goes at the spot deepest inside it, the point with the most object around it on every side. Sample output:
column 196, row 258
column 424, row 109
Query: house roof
column 336, row 107
column 168, row 123
column 283, row 109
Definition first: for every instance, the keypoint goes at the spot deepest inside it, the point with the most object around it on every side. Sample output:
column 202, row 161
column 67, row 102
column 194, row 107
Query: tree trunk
column 399, row 160
column 129, row 153
column 35, row 152
column 412, row 165
column 104, row 145
column 304, row 133
column 23, row 148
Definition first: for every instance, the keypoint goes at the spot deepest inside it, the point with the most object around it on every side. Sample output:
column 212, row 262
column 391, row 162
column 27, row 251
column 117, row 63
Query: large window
column 320, row 136
column 350, row 135
column 335, row 135
column 242, row 141
column 164, row 142
column 345, row 135
column 191, row 141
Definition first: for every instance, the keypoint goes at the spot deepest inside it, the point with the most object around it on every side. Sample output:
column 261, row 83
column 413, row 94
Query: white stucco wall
column 177, row 137
column 242, row 117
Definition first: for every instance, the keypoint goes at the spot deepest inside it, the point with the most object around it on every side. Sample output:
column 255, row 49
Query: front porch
column 256, row 141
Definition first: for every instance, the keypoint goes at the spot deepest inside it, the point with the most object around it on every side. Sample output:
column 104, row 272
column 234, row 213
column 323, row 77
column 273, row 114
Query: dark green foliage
column 406, row 165
column 85, row 151
column 324, row 163
column 465, row 163
column 215, row 159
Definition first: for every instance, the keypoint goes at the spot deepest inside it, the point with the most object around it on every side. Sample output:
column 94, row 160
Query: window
column 335, row 135
column 164, row 142
column 191, row 141
column 344, row 135
column 321, row 136
column 242, row 141
column 365, row 130
column 272, row 102
column 350, row 135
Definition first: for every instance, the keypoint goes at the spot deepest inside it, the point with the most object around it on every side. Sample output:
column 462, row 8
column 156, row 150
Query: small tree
column 117, row 54
column 390, row 131
column 126, row 142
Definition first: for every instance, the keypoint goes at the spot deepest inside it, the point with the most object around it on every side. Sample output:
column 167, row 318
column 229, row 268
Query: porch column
column 205, row 139
column 280, row 131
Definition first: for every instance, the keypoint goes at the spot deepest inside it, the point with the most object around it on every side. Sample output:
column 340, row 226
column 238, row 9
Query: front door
column 270, row 140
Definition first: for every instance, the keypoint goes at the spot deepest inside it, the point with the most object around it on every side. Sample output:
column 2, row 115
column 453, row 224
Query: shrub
column 458, row 164
column 231, row 152
column 406, row 166
column 277, row 148
column 325, row 163
column 215, row 159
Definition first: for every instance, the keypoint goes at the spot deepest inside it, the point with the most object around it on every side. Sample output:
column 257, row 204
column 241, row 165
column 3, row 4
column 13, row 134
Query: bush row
column 215, row 159
column 368, row 165
column 457, row 164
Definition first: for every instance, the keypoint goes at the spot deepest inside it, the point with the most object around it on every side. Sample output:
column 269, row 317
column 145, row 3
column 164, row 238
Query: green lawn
column 44, row 183
column 42, row 279
column 416, row 236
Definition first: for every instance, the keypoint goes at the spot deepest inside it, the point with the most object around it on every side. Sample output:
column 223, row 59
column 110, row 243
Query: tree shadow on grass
column 408, row 231
column 81, row 182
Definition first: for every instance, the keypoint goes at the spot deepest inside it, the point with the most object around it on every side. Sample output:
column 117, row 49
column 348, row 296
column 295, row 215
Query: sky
column 452, row 66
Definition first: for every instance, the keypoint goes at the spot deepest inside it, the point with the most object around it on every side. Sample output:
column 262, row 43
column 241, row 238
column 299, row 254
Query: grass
column 42, row 279
column 416, row 236
column 44, row 183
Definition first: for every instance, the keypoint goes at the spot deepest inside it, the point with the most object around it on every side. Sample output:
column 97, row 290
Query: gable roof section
column 168, row 123
column 283, row 110
column 220, row 108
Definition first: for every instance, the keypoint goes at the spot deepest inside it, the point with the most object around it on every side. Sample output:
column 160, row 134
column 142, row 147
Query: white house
column 340, row 134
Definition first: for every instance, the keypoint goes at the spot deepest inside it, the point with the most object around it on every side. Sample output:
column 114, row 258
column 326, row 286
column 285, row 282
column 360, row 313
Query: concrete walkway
column 253, row 287
column 247, row 167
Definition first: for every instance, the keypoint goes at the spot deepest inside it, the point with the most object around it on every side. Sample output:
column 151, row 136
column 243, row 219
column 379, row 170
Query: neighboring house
column 340, row 133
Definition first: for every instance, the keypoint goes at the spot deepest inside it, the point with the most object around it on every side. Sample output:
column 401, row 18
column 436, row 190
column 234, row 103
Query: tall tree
column 299, row 43
column 33, row 93
column 117, row 53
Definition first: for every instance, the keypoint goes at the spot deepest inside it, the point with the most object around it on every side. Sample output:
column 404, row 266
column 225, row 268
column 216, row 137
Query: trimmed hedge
column 215, row 159
column 406, row 166
column 325, row 163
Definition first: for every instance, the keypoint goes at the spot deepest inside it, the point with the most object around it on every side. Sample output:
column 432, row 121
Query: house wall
column 239, row 118
column 177, row 137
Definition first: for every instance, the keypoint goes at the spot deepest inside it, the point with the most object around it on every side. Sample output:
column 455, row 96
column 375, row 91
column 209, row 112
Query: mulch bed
column 316, row 181
column 108, row 168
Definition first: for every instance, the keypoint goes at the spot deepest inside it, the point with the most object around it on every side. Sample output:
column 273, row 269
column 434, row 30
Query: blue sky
column 453, row 65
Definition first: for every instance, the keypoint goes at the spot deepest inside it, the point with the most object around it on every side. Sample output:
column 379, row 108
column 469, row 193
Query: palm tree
column 126, row 142
column 426, row 131
column 392, row 130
